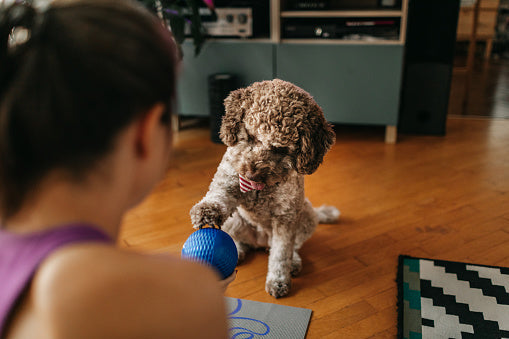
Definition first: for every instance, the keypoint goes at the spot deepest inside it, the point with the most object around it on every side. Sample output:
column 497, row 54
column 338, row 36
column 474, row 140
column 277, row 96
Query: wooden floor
column 488, row 92
column 435, row 197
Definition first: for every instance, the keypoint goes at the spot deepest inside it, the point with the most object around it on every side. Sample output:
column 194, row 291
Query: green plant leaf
column 197, row 30
column 180, row 13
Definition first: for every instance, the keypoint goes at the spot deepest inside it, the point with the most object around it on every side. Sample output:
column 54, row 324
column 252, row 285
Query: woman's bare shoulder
column 101, row 291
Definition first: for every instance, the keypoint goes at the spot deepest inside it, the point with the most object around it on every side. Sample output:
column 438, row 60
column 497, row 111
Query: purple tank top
column 20, row 256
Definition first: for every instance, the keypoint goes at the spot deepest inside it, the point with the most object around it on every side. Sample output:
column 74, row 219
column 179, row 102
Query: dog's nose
column 251, row 176
column 256, row 176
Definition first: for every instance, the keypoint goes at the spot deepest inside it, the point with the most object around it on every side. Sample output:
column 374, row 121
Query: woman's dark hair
column 87, row 69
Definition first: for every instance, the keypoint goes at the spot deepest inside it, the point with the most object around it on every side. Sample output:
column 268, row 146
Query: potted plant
column 179, row 14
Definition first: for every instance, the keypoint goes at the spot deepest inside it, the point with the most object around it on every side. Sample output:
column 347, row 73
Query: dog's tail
column 327, row 214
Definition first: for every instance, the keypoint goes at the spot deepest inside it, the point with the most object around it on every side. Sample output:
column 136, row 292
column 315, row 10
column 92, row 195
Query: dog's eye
column 280, row 150
column 252, row 140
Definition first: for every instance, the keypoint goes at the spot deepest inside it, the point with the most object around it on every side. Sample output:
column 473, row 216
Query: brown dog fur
column 276, row 133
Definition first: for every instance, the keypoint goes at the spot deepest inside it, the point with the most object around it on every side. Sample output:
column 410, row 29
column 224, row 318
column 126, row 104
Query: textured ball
column 213, row 247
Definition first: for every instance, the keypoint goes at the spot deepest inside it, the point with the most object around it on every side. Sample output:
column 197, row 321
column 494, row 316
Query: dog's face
column 273, row 128
column 261, row 160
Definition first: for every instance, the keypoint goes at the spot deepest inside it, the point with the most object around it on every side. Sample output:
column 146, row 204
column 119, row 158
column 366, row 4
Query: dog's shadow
column 252, row 254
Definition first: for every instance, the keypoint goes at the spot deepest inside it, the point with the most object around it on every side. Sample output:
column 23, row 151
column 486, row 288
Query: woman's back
column 21, row 255
column 93, row 290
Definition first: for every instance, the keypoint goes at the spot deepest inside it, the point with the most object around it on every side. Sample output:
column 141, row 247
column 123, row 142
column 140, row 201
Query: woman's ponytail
column 17, row 22
column 18, row 27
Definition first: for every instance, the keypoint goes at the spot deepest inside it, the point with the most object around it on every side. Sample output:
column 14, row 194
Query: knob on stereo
column 242, row 18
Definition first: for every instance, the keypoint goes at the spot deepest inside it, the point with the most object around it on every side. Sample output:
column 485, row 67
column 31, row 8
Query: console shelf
column 355, row 78
column 341, row 42
column 340, row 14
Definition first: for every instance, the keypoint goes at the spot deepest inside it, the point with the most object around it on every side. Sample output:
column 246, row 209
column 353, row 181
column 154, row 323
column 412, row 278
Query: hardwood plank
column 391, row 333
column 344, row 317
column 384, row 299
column 370, row 326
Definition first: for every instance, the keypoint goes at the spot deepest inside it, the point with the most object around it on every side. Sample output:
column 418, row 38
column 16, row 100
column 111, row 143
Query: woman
column 85, row 106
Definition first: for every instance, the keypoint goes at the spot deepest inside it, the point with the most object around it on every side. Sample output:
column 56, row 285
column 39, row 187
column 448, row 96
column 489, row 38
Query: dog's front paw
column 207, row 213
column 278, row 287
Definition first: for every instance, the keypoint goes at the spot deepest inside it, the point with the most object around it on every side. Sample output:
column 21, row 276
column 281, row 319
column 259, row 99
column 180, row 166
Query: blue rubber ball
column 213, row 247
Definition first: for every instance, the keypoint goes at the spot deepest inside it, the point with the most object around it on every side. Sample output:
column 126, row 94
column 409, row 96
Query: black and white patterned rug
column 445, row 299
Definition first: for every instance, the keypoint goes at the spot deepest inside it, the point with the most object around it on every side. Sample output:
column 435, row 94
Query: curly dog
column 276, row 133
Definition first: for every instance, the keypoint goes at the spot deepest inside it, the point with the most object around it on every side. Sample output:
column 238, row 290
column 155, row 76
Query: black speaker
column 428, row 63
column 220, row 85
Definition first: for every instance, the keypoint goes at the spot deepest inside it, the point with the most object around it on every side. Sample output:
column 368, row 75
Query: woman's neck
column 59, row 200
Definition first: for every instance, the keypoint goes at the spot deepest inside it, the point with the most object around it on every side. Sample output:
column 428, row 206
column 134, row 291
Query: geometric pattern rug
column 446, row 299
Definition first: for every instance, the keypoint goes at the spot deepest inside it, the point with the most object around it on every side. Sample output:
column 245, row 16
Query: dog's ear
column 316, row 139
column 233, row 116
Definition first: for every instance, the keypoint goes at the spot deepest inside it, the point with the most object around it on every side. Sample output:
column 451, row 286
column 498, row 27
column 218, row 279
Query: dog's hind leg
column 308, row 221
column 244, row 234
column 296, row 264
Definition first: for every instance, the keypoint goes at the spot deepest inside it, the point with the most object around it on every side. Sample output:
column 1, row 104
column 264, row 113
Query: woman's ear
column 147, row 128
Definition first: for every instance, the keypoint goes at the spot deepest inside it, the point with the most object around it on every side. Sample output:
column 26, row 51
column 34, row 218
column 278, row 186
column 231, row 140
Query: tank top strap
column 21, row 255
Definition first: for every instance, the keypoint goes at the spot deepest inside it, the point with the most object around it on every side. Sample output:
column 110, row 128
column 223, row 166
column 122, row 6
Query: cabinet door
column 358, row 84
column 249, row 61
